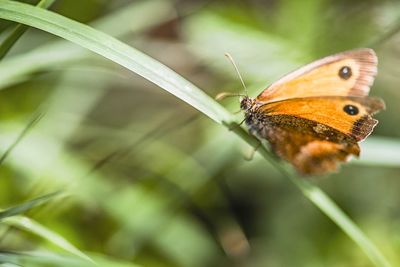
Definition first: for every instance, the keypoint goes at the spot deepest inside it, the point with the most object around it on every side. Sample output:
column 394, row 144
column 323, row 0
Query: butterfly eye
column 345, row 73
column 350, row 109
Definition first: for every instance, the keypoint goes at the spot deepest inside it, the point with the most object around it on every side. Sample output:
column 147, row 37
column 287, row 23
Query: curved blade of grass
column 35, row 119
column 394, row 30
column 57, row 53
column 26, row 206
column 326, row 205
column 18, row 31
column 48, row 258
column 116, row 51
column 9, row 217
column 170, row 81
column 380, row 151
column 36, row 228
column 40, row 258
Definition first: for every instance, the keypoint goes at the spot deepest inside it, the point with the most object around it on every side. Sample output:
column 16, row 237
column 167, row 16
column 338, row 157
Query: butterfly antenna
column 230, row 58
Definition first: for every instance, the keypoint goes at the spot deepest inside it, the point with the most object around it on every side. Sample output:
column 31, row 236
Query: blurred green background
column 153, row 182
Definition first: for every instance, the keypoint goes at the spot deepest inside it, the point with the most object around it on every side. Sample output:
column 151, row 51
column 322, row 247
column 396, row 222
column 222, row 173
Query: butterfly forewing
column 348, row 73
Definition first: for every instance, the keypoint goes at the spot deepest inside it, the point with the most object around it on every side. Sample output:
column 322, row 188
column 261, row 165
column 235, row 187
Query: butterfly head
column 247, row 103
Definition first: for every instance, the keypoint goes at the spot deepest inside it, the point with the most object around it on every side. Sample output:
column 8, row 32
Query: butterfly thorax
column 254, row 119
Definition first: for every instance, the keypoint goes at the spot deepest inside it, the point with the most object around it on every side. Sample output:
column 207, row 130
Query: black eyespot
column 345, row 73
column 351, row 110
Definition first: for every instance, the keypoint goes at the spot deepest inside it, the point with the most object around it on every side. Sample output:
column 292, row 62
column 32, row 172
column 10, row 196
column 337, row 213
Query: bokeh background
column 153, row 182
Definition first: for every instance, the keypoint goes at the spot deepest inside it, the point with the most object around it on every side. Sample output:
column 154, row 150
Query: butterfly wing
column 351, row 116
column 311, row 152
column 348, row 73
column 314, row 117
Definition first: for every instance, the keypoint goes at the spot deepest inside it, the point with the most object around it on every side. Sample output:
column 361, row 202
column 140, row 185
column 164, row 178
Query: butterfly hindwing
column 311, row 152
column 348, row 115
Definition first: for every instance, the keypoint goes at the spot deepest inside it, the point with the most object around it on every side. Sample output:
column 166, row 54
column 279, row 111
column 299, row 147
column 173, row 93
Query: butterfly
column 315, row 116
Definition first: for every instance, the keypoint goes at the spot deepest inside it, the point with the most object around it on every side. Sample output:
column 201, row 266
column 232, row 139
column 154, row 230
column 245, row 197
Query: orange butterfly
column 314, row 116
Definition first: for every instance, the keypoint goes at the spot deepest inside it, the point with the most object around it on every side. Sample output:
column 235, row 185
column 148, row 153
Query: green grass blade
column 18, row 31
column 60, row 52
column 170, row 81
column 330, row 208
column 380, row 151
column 36, row 228
column 327, row 206
column 9, row 217
column 47, row 258
column 33, row 121
column 26, row 206
column 116, row 51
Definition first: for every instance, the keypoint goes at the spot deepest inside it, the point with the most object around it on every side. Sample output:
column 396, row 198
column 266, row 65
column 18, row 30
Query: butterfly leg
column 253, row 150
column 242, row 121
column 233, row 126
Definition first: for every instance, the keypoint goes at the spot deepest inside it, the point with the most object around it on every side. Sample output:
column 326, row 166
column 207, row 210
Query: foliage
column 152, row 181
